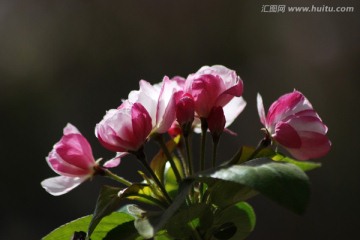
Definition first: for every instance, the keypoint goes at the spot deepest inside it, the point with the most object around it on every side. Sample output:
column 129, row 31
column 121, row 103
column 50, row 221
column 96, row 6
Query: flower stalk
column 164, row 148
column 142, row 158
column 116, row 177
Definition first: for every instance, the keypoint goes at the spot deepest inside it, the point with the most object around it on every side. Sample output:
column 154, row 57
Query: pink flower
column 124, row 129
column 71, row 158
column 293, row 123
column 213, row 86
column 159, row 101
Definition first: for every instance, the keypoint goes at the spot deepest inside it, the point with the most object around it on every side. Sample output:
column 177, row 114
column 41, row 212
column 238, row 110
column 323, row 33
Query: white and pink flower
column 293, row 123
column 159, row 100
column 124, row 129
column 72, row 159
column 212, row 87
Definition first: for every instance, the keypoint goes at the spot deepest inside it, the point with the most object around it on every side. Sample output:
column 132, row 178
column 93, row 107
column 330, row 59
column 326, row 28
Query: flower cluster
column 208, row 100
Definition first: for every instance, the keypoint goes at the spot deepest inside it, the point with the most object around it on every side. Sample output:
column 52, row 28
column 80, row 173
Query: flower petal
column 313, row 145
column 60, row 185
column 233, row 109
column 58, row 165
column 165, row 113
column 76, row 150
column 286, row 135
column 260, row 108
column 114, row 162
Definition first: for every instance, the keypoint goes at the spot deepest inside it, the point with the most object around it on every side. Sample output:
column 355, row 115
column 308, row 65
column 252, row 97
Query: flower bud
column 185, row 110
column 216, row 121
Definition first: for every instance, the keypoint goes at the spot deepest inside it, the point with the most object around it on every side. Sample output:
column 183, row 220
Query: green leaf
column 153, row 186
column 304, row 165
column 111, row 198
column 233, row 223
column 108, row 201
column 149, row 223
column 226, row 193
column 189, row 218
column 142, row 220
column 142, row 193
column 284, row 183
column 127, row 231
column 242, row 155
column 171, row 184
column 108, row 223
column 245, row 153
column 157, row 164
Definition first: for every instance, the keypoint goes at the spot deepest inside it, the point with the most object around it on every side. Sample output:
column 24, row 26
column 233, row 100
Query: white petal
column 233, row 109
column 70, row 129
column 261, row 111
column 60, row 185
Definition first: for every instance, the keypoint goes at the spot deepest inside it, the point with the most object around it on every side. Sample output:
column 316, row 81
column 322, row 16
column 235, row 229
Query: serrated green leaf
column 66, row 231
column 233, row 223
column 284, row 183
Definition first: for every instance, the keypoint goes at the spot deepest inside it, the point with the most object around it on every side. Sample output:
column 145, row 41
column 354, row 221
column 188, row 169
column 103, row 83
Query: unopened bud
column 216, row 121
column 185, row 109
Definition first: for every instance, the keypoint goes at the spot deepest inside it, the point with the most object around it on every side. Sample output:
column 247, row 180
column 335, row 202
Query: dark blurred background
column 70, row 61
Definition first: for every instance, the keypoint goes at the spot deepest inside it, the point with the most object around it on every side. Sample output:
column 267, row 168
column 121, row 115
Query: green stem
column 142, row 158
column 215, row 146
column 264, row 143
column 204, row 127
column 163, row 146
column 115, row 177
column 195, row 233
column 188, row 155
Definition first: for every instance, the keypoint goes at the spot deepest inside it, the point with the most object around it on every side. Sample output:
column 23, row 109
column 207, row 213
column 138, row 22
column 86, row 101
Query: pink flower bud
column 174, row 130
column 216, row 121
column 185, row 109
column 71, row 158
column 213, row 86
column 293, row 123
column 124, row 129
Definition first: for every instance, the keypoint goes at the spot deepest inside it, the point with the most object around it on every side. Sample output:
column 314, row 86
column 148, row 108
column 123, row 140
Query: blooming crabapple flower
column 72, row 159
column 159, row 101
column 293, row 123
column 211, row 87
column 124, row 129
